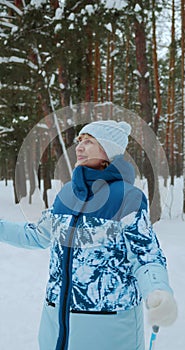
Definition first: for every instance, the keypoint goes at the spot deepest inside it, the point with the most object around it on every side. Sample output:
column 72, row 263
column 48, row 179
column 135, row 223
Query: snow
column 108, row 27
column 71, row 16
column 10, row 25
column 5, row 130
column 37, row 3
column 89, row 9
column 24, row 273
column 137, row 8
column 59, row 13
column 137, row 73
column 114, row 52
column 15, row 59
column 115, row 4
column 11, row 6
column 71, row 27
column 163, row 25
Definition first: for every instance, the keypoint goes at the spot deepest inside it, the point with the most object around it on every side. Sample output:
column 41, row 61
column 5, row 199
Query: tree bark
column 156, row 74
column 112, row 67
column 89, row 55
column 171, row 100
column 96, row 71
column 183, row 90
column 126, row 79
column 146, row 113
column 108, row 68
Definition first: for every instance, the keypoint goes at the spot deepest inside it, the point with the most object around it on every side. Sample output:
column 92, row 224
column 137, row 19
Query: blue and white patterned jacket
column 104, row 253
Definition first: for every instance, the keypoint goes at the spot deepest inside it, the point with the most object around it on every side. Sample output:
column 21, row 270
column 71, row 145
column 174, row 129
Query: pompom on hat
column 112, row 135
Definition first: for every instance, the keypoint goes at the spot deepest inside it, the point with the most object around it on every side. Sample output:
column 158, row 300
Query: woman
column 105, row 257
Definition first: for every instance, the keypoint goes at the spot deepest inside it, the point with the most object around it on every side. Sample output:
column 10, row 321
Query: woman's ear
column 105, row 164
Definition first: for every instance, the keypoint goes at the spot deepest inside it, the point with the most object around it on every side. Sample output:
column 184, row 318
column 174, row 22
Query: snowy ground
column 23, row 275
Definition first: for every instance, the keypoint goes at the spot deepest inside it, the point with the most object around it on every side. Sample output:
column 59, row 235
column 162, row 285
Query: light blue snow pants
column 121, row 331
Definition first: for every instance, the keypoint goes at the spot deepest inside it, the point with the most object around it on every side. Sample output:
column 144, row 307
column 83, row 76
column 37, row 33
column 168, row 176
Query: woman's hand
column 162, row 308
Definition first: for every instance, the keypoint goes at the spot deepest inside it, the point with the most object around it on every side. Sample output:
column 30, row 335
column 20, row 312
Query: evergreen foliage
column 57, row 53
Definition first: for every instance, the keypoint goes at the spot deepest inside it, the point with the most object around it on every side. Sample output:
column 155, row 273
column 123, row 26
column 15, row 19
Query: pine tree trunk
column 88, row 92
column 112, row 68
column 126, row 78
column 96, row 71
column 108, row 68
column 146, row 113
column 46, row 174
column 64, row 93
column 19, row 180
column 156, row 74
column 171, row 101
column 183, row 90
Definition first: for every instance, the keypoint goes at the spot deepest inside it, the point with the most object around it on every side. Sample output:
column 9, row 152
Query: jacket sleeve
column 28, row 235
column 143, row 249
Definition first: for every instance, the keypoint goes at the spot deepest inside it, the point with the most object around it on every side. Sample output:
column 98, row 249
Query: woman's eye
column 87, row 142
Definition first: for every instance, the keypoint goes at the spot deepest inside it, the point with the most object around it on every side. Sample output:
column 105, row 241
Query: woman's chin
column 80, row 162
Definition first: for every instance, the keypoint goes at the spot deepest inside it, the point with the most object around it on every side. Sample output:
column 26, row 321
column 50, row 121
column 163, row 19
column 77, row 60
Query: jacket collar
column 84, row 178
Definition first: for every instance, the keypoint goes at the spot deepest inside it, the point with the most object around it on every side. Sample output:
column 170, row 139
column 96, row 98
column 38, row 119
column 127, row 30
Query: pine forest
column 66, row 63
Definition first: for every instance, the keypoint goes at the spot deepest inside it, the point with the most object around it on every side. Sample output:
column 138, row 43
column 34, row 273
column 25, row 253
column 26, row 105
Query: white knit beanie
column 112, row 135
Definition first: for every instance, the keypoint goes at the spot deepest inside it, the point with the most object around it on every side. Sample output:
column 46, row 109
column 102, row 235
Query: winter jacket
column 105, row 256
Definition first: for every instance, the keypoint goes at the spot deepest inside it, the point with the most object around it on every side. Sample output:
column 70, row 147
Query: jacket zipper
column 62, row 344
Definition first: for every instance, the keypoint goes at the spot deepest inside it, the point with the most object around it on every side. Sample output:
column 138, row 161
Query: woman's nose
column 80, row 146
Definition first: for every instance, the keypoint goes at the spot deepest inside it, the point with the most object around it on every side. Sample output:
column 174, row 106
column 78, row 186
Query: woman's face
column 90, row 153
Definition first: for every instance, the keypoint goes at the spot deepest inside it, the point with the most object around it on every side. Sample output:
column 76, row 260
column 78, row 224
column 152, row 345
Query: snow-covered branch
column 115, row 4
column 5, row 130
column 15, row 59
column 12, row 6
column 8, row 24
